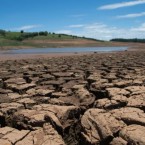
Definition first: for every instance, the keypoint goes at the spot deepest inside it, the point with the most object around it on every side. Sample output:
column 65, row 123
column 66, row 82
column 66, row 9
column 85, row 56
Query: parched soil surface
column 95, row 99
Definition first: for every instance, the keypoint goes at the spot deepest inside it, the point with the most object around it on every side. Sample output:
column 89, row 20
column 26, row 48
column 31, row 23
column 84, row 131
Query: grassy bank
column 44, row 39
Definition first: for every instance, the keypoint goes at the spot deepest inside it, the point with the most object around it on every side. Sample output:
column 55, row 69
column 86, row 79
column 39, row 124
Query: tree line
column 128, row 40
column 23, row 35
column 26, row 35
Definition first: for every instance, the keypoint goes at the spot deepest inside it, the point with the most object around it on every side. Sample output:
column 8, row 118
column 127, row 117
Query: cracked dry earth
column 96, row 99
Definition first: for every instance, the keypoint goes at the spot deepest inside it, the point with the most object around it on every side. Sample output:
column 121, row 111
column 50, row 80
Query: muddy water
column 63, row 50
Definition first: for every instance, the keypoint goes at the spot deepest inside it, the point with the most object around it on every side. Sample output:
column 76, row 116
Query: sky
column 99, row 19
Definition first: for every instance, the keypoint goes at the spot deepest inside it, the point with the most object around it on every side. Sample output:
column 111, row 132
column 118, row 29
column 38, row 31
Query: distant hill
column 42, row 39
column 20, row 36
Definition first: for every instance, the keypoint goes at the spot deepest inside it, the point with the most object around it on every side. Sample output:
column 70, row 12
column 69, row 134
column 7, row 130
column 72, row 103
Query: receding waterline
column 63, row 50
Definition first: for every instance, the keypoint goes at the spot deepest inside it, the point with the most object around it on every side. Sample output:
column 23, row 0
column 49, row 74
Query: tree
column 43, row 33
column 22, row 31
column 2, row 32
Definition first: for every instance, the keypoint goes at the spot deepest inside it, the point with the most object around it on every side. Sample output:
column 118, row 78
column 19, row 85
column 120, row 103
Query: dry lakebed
column 88, row 99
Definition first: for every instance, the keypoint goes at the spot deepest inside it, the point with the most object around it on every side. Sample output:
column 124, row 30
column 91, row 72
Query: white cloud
column 132, row 15
column 120, row 5
column 105, row 32
column 99, row 31
column 141, row 28
column 64, row 32
column 76, row 26
column 93, row 26
column 27, row 27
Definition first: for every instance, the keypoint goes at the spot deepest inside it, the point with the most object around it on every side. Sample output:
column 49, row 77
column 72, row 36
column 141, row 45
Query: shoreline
column 3, row 57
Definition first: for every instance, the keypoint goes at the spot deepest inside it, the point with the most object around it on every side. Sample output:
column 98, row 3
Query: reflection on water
column 63, row 50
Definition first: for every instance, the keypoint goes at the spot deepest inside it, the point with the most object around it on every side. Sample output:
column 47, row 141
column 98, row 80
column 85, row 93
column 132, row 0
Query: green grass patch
column 17, row 38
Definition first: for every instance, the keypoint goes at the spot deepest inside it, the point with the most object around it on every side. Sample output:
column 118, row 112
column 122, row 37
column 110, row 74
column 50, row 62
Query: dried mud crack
column 95, row 99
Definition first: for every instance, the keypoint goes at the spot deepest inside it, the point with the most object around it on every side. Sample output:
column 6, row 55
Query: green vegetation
column 53, row 36
column 128, row 40
column 22, row 38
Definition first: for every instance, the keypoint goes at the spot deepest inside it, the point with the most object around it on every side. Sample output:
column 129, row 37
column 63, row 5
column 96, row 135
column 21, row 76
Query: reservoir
column 63, row 50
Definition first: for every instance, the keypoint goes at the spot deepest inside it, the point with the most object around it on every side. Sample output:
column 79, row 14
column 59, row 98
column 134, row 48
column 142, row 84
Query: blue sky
column 100, row 19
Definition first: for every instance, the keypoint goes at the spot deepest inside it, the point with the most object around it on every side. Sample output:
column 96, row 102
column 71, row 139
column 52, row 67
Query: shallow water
column 63, row 50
